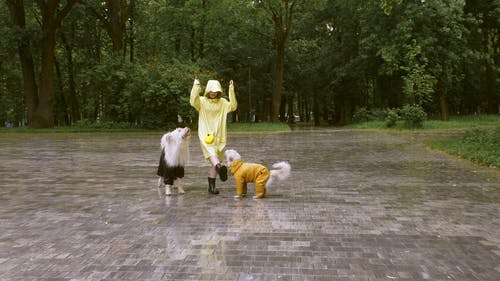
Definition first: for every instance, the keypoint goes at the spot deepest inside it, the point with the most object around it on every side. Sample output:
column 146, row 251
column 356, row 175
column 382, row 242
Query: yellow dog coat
column 249, row 172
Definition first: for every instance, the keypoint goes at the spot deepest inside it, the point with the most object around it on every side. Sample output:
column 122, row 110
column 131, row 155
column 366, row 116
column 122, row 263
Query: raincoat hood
column 213, row 86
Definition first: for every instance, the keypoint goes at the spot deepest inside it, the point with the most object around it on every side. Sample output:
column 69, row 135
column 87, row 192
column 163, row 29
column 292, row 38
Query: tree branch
column 64, row 12
column 99, row 16
column 96, row 13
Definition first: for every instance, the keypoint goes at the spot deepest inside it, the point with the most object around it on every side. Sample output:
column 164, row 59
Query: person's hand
column 196, row 81
column 231, row 83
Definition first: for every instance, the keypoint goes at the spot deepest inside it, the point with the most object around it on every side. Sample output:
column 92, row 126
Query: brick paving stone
column 358, row 206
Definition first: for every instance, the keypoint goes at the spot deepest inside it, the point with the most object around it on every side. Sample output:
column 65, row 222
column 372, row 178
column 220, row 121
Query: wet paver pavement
column 358, row 206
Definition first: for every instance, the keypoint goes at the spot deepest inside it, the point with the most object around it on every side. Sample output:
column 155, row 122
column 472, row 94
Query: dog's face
column 230, row 156
column 179, row 135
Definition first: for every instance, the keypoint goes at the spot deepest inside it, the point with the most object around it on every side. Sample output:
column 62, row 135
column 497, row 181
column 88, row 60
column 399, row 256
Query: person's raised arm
column 233, row 103
column 194, row 98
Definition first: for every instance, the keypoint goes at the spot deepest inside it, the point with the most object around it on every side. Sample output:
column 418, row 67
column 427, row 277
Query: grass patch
column 454, row 123
column 464, row 122
column 478, row 139
column 258, row 127
column 375, row 125
column 479, row 145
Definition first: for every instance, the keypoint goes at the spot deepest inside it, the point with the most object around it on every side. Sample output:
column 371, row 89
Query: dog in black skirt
column 174, row 156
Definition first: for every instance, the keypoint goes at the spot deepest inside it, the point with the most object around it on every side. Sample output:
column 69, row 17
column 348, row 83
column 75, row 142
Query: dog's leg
column 168, row 189
column 181, row 190
column 160, row 182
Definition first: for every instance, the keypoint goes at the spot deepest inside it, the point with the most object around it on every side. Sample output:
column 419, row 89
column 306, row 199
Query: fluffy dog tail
column 280, row 172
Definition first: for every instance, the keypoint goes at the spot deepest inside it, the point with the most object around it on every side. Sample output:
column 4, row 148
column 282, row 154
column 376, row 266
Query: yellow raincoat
column 212, row 116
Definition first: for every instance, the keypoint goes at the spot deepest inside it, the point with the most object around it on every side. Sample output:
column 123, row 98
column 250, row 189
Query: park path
column 359, row 205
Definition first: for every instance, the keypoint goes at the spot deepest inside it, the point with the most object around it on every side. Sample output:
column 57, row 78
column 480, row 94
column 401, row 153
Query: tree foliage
column 314, row 61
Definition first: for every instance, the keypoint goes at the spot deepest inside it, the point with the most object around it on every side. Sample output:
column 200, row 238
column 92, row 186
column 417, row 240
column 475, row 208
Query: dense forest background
column 318, row 61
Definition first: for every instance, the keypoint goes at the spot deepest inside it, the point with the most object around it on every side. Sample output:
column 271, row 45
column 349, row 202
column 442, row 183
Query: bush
column 413, row 115
column 391, row 118
column 86, row 124
column 378, row 114
column 361, row 114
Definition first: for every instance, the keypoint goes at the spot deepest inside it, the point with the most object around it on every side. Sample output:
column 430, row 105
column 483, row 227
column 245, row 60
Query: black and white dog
column 174, row 156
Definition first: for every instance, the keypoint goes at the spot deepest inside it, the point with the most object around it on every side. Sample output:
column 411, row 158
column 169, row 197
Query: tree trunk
column 177, row 43
column 341, row 108
column 117, row 14
column 116, row 23
column 492, row 99
column 301, row 106
column 75, row 108
column 316, row 110
column 282, row 113
column 307, row 110
column 492, row 96
column 30, row 88
column 443, row 105
column 291, row 119
column 282, row 24
column 40, row 101
column 278, row 83
column 62, row 99
column 201, row 44
column 44, row 113
column 131, row 33
column 193, row 48
column 43, row 116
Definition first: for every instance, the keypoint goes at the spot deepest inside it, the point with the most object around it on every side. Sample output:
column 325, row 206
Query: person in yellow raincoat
column 213, row 110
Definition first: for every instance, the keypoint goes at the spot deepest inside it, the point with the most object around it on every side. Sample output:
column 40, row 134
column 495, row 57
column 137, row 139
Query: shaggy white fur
column 175, row 145
column 280, row 172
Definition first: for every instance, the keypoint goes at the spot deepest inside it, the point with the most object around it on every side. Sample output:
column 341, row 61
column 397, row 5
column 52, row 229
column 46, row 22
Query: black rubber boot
column 222, row 171
column 211, row 186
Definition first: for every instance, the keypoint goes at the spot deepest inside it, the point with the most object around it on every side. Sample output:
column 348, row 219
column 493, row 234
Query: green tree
column 483, row 71
column 323, row 59
column 424, row 44
column 11, row 96
column 445, row 45
column 281, row 12
column 40, row 99
column 418, row 84
column 114, row 15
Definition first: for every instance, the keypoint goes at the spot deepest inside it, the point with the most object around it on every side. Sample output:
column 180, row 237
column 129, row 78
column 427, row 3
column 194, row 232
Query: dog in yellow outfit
column 258, row 174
